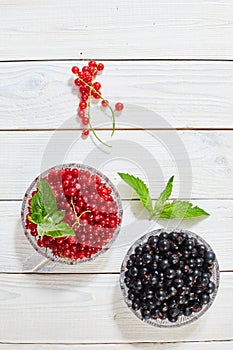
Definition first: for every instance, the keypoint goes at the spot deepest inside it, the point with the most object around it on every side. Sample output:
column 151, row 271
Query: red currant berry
column 40, row 243
column 104, row 103
column 72, row 240
column 78, row 187
column 65, row 183
column 82, row 105
column 85, row 121
column 85, row 69
column 96, row 95
column 100, row 67
column 81, row 113
column 97, row 85
column 119, row 106
column 85, row 132
column 83, row 90
column 74, row 172
column 77, row 82
column 84, row 97
column 93, row 71
column 67, row 253
column 75, row 70
column 80, row 74
column 92, row 63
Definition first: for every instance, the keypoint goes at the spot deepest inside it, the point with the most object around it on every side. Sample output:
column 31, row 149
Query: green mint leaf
column 47, row 196
column 65, row 229
column 57, row 216
column 55, row 230
column 163, row 197
column 140, row 188
column 37, row 205
column 36, row 218
column 181, row 210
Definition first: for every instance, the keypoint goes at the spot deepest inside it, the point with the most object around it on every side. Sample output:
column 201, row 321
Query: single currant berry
column 81, row 113
column 96, row 95
column 80, row 74
column 104, row 103
column 82, row 105
column 85, row 121
column 164, row 245
column 92, row 63
column 85, row 132
column 119, row 106
column 145, row 313
column 40, row 243
column 100, row 67
column 85, row 69
column 75, row 69
column 77, row 82
column 209, row 257
column 83, row 90
column 97, row 85
column 84, row 97
column 93, row 71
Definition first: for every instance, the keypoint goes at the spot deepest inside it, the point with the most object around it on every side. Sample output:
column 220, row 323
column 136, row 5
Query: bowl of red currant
column 169, row 278
column 71, row 213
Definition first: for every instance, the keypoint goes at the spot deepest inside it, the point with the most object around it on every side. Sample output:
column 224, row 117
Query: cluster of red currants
column 90, row 89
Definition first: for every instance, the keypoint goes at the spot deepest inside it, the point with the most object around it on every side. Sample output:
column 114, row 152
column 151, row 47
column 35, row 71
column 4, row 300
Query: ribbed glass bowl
column 182, row 320
column 47, row 252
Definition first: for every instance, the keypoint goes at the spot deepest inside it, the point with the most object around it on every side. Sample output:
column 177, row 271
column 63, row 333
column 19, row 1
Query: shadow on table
column 132, row 329
column 27, row 257
column 29, row 260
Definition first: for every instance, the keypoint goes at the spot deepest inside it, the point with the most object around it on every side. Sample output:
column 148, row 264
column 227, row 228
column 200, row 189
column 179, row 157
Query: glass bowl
column 95, row 231
column 182, row 320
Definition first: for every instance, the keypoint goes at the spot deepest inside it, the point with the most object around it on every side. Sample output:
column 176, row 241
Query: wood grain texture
column 17, row 255
column 89, row 309
column 216, row 345
column 201, row 161
column 40, row 95
column 116, row 29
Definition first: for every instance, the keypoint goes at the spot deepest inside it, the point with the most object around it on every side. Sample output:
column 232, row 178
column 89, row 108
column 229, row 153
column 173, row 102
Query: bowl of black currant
column 169, row 278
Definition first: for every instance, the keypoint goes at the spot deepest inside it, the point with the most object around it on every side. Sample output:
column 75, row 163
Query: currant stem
column 77, row 221
column 91, row 127
column 84, row 212
column 74, row 210
column 108, row 105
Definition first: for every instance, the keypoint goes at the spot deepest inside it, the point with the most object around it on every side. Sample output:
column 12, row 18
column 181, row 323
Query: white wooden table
column 172, row 58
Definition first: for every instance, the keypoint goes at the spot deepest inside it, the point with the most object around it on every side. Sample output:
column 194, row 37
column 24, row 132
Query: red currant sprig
column 89, row 88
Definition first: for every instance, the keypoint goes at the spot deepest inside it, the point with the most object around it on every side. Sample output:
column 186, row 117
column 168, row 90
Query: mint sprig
column 45, row 215
column 176, row 209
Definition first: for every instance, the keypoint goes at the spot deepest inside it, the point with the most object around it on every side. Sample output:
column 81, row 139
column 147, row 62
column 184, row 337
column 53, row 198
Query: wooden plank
column 201, row 161
column 156, row 94
column 89, row 309
column 216, row 345
column 116, row 29
column 18, row 256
